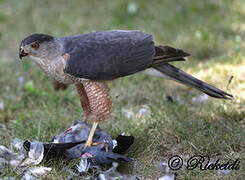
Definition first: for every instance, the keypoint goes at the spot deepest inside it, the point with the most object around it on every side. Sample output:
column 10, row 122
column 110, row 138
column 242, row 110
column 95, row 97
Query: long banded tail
column 185, row 78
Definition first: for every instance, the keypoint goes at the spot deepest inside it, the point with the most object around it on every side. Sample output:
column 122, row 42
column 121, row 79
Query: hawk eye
column 35, row 45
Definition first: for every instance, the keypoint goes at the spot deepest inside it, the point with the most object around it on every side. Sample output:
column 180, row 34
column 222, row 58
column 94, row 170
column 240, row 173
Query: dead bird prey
column 90, row 60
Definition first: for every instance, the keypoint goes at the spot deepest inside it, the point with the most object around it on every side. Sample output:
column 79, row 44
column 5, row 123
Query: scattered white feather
column 144, row 111
column 38, row 171
column 21, row 80
column 17, row 144
column 114, row 142
column 128, row 113
column 83, row 165
column 28, row 176
column 132, row 8
column 7, row 153
column 201, row 99
column 167, row 177
column 223, row 172
column 3, row 163
column 165, row 167
column 1, row 105
column 35, row 154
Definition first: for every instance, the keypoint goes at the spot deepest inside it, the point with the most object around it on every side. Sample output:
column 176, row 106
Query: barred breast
column 54, row 69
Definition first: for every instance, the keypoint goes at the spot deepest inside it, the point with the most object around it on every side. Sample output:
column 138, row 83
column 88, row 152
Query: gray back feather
column 107, row 55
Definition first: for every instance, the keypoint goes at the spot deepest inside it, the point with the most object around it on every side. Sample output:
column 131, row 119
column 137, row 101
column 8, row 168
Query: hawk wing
column 107, row 55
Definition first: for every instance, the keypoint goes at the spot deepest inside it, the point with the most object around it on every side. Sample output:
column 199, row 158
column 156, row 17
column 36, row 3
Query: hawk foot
column 89, row 141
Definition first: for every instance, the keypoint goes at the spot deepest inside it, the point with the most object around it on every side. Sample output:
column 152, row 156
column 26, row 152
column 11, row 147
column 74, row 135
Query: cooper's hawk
column 90, row 60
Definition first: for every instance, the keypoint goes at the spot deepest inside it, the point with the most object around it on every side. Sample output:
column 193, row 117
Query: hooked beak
column 22, row 53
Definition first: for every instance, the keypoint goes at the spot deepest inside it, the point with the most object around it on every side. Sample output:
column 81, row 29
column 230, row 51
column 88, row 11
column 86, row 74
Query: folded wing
column 107, row 55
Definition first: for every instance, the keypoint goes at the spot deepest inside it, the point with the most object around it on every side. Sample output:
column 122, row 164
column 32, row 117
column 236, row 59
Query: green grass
column 212, row 31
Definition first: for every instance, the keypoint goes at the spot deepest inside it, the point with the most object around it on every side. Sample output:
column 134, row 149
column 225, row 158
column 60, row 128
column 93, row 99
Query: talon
column 88, row 144
column 89, row 141
column 103, row 143
column 95, row 143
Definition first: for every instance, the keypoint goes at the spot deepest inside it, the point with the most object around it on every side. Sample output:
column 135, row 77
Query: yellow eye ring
column 35, row 45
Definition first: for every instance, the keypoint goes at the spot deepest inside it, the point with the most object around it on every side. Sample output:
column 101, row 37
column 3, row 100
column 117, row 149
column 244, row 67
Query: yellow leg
column 89, row 141
column 98, row 103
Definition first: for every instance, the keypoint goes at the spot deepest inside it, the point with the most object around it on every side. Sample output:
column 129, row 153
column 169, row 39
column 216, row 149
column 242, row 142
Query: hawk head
column 37, row 45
